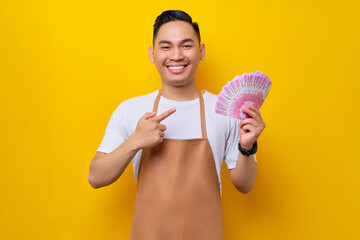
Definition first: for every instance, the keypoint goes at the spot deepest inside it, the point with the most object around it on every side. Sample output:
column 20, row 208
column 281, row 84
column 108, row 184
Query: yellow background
column 66, row 65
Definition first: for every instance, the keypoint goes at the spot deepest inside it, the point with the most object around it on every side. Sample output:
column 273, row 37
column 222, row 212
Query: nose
column 176, row 54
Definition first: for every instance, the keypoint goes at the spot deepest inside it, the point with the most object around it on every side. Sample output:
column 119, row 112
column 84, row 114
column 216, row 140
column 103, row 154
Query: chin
column 177, row 83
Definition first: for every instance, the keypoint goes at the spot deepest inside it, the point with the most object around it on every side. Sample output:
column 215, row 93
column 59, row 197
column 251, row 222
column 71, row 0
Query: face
column 176, row 53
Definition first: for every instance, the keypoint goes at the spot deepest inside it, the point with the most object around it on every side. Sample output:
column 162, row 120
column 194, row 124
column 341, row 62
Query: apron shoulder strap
column 202, row 115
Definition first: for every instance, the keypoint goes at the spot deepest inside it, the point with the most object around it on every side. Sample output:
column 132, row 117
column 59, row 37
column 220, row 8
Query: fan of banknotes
column 247, row 89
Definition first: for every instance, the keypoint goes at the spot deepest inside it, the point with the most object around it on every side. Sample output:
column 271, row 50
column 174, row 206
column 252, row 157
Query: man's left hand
column 250, row 128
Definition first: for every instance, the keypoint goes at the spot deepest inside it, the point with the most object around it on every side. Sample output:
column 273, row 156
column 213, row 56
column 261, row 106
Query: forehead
column 176, row 31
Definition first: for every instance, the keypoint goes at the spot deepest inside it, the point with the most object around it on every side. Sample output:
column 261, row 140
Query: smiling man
column 176, row 54
column 177, row 154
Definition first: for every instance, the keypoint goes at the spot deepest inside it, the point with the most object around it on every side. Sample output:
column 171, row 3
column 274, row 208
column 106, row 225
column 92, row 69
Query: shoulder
column 132, row 109
column 137, row 103
column 221, row 120
column 210, row 97
column 210, row 103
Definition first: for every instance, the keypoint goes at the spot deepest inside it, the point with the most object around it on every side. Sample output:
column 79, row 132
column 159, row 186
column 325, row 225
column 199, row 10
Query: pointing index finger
column 164, row 115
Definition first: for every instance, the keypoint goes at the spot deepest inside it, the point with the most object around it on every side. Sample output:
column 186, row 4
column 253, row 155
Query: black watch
column 248, row 152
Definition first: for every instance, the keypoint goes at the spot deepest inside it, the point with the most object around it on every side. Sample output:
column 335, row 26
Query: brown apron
column 178, row 195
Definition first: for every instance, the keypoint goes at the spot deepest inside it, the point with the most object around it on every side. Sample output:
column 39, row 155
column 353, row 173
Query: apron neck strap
column 202, row 111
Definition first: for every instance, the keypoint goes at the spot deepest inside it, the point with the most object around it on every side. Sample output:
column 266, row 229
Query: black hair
column 174, row 15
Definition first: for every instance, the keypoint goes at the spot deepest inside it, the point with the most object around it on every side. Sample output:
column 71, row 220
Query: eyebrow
column 182, row 41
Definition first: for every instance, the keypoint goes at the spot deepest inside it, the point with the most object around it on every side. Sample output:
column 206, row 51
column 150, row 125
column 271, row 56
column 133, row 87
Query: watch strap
column 247, row 152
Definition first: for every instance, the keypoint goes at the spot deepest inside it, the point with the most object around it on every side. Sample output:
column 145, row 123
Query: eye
column 187, row 46
column 165, row 47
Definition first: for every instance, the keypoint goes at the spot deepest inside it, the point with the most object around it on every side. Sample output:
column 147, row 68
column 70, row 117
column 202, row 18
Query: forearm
column 243, row 176
column 107, row 169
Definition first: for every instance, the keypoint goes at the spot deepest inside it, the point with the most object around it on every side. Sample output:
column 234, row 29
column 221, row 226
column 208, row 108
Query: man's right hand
column 149, row 131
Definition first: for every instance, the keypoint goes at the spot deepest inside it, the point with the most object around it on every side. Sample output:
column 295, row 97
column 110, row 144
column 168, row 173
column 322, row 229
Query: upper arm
column 99, row 155
column 231, row 151
column 231, row 172
column 117, row 130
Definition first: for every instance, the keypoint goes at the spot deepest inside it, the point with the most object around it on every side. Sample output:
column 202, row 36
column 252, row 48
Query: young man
column 177, row 154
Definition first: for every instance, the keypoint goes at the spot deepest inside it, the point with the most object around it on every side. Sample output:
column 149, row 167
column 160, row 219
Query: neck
column 180, row 93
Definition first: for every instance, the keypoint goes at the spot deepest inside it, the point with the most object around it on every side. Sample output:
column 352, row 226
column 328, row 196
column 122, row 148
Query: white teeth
column 176, row 67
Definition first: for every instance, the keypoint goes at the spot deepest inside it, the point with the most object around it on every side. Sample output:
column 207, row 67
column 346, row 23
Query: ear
column 202, row 51
column 151, row 54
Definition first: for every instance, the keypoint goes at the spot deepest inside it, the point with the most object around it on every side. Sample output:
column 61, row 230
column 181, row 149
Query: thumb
column 149, row 115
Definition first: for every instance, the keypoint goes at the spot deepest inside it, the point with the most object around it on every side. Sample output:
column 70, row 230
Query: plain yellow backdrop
column 66, row 65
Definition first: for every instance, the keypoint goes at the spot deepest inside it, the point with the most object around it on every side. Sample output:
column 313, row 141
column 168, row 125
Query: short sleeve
column 116, row 131
column 231, row 147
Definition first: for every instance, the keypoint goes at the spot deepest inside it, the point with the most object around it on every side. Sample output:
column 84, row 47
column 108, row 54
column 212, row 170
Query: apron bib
column 178, row 195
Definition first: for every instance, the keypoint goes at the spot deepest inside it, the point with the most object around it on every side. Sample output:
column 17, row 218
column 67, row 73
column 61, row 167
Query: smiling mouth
column 177, row 67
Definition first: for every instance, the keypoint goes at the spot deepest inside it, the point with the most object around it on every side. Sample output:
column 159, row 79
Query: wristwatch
column 248, row 152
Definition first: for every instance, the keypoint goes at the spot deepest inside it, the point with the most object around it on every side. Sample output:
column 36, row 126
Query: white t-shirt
column 222, row 131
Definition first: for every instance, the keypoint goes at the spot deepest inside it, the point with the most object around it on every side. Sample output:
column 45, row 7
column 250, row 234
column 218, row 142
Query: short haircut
column 174, row 15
